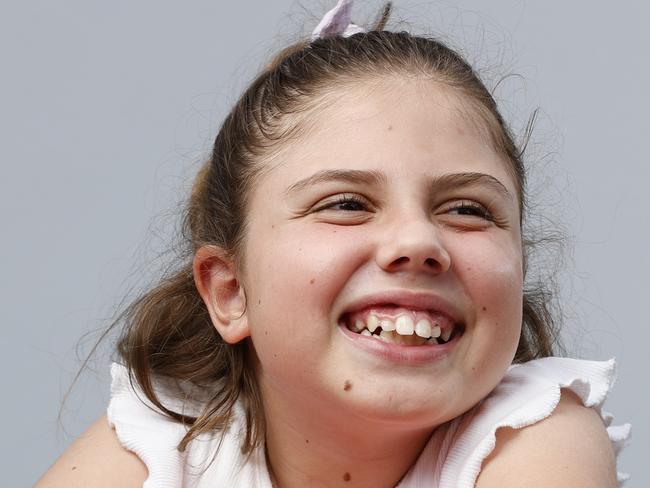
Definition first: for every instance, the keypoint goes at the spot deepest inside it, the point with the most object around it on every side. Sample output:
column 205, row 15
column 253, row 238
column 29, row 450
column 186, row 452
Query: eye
column 470, row 209
column 347, row 202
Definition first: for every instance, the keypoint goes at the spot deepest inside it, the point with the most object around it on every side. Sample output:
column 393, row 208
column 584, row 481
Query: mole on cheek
column 312, row 281
column 485, row 309
column 347, row 477
column 390, row 127
column 347, row 386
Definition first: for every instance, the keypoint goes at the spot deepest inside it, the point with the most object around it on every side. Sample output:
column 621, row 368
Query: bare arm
column 96, row 460
column 568, row 449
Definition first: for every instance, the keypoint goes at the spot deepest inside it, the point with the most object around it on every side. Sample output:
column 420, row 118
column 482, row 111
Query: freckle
column 272, row 226
column 266, row 332
column 347, row 386
column 275, row 355
column 73, row 468
column 347, row 477
column 259, row 301
column 312, row 281
column 306, row 441
column 485, row 309
column 390, row 127
column 469, row 269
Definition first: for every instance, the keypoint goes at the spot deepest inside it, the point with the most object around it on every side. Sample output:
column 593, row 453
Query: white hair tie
column 337, row 22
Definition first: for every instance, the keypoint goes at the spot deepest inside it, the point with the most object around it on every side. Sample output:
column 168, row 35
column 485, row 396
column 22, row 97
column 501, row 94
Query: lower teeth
column 394, row 338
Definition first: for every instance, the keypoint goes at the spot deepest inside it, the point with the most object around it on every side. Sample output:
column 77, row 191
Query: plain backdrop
column 108, row 108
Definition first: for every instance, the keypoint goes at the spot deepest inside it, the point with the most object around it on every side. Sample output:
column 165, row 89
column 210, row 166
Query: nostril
column 401, row 260
column 430, row 262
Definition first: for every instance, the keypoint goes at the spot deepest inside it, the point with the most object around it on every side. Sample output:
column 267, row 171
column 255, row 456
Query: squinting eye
column 345, row 202
column 471, row 209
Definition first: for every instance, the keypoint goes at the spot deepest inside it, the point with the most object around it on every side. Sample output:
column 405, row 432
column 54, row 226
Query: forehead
column 399, row 127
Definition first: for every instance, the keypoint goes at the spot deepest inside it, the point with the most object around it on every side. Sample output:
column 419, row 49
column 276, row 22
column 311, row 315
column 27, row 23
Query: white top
column 452, row 458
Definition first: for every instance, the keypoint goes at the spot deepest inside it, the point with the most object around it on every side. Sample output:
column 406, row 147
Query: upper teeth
column 423, row 328
column 372, row 322
column 445, row 334
column 405, row 323
column 387, row 325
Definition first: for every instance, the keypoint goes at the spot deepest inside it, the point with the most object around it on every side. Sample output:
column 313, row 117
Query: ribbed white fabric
column 452, row 458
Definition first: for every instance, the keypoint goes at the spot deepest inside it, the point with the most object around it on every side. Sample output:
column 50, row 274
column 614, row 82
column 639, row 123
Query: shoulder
column 568, row 448
column 96, row 459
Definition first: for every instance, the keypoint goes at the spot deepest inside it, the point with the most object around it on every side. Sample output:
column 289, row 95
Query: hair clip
column 337, row 22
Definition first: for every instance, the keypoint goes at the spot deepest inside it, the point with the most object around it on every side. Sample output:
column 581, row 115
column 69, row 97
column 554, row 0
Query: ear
column 216, row 280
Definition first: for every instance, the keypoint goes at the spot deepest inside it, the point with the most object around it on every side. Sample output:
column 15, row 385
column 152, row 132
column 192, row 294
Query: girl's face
column 393, row 210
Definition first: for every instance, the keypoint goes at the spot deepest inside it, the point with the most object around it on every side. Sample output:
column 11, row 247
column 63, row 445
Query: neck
column 325, row 449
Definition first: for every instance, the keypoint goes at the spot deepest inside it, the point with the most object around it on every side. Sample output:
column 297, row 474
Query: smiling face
column 394, row 208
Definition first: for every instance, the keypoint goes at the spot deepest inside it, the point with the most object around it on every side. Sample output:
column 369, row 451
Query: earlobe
column 217, row 282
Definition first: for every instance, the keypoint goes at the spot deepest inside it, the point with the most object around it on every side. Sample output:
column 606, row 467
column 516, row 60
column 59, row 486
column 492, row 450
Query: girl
column 352, row 311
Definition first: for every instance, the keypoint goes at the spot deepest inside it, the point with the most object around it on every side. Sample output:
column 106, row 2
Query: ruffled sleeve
column 527, row 394
column 144, row 431
column 211, row 459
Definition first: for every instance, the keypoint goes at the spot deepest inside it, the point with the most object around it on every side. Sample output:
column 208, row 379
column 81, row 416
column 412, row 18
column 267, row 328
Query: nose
column 413, row 245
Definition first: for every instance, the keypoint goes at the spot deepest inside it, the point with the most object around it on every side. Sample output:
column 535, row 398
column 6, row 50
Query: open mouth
column 402, row 326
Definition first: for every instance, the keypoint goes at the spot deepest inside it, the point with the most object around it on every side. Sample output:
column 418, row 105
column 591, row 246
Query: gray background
column 107, row 108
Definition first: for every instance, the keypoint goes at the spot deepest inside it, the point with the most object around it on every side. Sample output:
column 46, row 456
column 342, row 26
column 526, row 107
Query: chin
column 398, row 406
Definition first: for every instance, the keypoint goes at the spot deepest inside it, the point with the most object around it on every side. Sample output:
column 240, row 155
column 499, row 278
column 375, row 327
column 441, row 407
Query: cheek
column 299, row 275
column 292, row 279
column 489, row 266
column 293, row 260
column 491, row 273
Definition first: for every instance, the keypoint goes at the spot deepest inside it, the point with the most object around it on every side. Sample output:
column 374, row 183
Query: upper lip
column 408, row 299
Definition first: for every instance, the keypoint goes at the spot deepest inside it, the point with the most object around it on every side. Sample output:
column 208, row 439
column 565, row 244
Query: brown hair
column 168, row 331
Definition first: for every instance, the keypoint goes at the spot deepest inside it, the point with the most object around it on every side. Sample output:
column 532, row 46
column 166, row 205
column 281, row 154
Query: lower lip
column 398, row 353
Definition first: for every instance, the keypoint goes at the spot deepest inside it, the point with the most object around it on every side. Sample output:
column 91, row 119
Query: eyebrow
column 456, row 180
column 374, row 178
column 370, row 178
